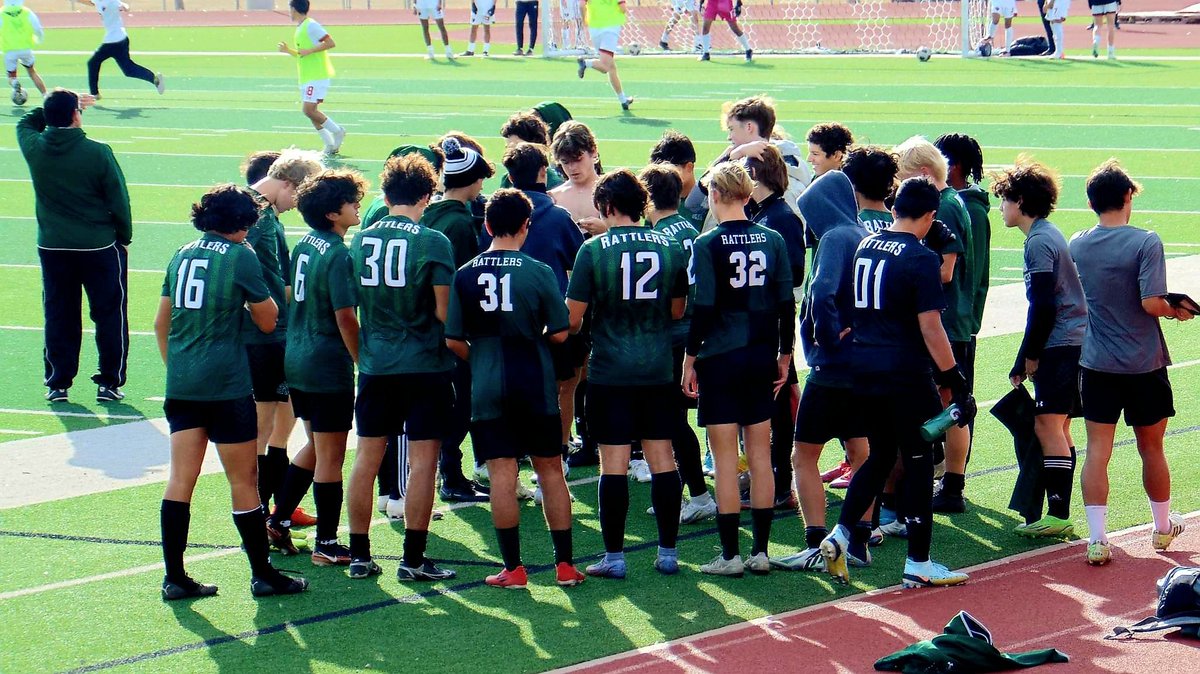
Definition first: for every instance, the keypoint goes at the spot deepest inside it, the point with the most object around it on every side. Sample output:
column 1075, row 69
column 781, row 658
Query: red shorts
column 718, row 9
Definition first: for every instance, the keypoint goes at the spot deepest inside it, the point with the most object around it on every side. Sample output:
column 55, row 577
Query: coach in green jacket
column 84, row 226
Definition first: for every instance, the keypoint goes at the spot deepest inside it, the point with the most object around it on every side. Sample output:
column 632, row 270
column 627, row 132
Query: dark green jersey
column 267, row 238
column 374, row 212
column 681, row 229
column 628, row 277
column 742, row 271
column 209, row 282
column 959, row 316
column 397, row 263
column 694, row 217
column 875, row 221
column 316, row 360
column 504, row 303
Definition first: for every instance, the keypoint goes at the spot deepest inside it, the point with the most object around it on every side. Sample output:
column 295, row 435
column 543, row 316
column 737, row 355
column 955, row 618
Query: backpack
column 1178, row 605
column 1033, row 45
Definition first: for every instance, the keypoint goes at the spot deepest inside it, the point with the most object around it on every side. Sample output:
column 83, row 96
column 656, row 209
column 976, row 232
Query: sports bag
column 1178, row 605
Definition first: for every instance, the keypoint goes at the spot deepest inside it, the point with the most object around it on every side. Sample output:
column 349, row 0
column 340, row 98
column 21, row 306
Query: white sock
column 470, row 46
column 664, row 36
column 1095, row 38
column 449, row 51
column 429, row 48
column 1059, row 41
column 621, row 96
column 591, row 63
column 487, row 46
column 326, row 137
column 702, row 499
column 706, row 43
column 12, row 82
column 1161, row 511
column 331, row 126
column 744, row 41
column 992, row 30
column 1096, row 518
column 1008, row 37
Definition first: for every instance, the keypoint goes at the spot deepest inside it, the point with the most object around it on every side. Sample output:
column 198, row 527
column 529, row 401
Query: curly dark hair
column 524, row 161
column 1029, row 184
column 507, row 211
column 407, row 179
column 872, row 170
column 674, row 148
column 225, row 209
column 326, row 193
column 831, row 137
column 528, row 127
column 964, row 152
column 620, row 192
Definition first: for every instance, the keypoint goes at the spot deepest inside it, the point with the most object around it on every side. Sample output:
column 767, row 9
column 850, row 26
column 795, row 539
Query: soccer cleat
column 667, row 566
column 518, row 52
column 662, row 44
column 787, row 502
column 516, row 579
column 468, row 53
column 835, row 472
column 809, row 559
column 607, row 569
column 709, row 467
column 363, row 568
column 338, row 137
column 264, row 586
column 395, row 509
column 427, row 571
column 895, row 528
column 1112, row 54
column 734, row 568
column 330, row 554
column 523, row 492
column 300, row 518
column 481, row 473
column 566, row 575
column 1095, row 50
column 381, row 503
column 1162, row 541
column 461, row 493
column 159, row 84
column 758, row 564
column 281, row 539
column 876, row 538
column 1099, row 553
column 929, row 574
column 109, row 394
column 749, row 55
column 842, row 481
column 698, row 509
column 1046, row 527
column 639, row 469
column 705, row 57
column 947, row 503
column 186, row 588
column 858, row 561
column 529, row 51
column 625, row 106
column 485, row 54
column 833, row 549
column 57, row 395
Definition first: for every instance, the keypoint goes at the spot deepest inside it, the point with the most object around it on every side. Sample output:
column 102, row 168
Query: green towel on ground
column 964, row 646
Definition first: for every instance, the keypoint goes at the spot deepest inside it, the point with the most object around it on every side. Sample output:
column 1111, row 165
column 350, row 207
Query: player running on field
column 209, row 286
column 504, row 310
column 634, row 282
column 310, row 46
column 679, row 9
column 728, row 12
column 116, row 46
column 605, row 19
column 20, row 29
column 482, row 12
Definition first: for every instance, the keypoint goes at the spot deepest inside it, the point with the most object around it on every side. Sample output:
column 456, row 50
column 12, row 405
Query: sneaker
column 1048, row 526
column 809, row 559
column 339, row 136
column 842, row 481
column 523, row 492
column 300, row 518
column 159, row 84
column 627, row 102
column 427, row 571
column 787, row 502
column 749, row 55
column 109, row 394
column 698, row 509
column 725, row 567
column 895, row 528
column 859, row 561
column 662, row 44
column 566, row 575
column 705, row 57
column 330, row 554
column 876, row 538
column 607, row 569
column 262, row 586
column 1162, row 541
column 363, row 568
column 835, row 472
column 481, row 474
column 468, row 53
column 395, row 509
column 381, row 503
column 281, row 539
column 639, row 470
column 186, row 588
column 57, row 395
column 516, row 579
column 1099, row 553
column 758, row 564
column 930, row 574
column 582, row 67
column 947, row 503
column 667, row 566
column 833, row 549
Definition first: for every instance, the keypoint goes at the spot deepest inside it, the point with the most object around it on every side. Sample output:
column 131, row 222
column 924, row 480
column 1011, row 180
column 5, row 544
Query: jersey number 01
column 868, row 283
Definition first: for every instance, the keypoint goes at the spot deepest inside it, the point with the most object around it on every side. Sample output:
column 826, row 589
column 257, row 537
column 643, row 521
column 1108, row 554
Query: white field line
column 13, row 431
column 13, row 265
column 88, row 415
column 36, row 328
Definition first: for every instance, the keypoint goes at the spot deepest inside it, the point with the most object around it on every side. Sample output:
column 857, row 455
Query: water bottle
column 936, row 427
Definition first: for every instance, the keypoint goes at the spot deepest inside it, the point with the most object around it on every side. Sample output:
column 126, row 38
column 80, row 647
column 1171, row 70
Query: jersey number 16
column 189, row 284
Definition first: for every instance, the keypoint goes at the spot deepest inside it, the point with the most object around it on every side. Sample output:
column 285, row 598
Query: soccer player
column 872, row 170
column 605, row 19
column 898, row 335
column 633, row 281
column 310, row 46
column 664, row 186
column 504, row 310
column 434, row 9
column 1054, row 332
column 676, row 149
column 728, row 12
column 1005, row 9
column 528, row 127
column 1104, row 12
column 404, row 272
column 572, row 24
column 1124, row 359
column 116, row 46
column 918, row 157
column 828, row 144
column 739, row 350
column 680, row 8
column 208, row 287
column 378, row 209
column 1056, row 15
column 20, row 29
column 257, row 164
column 527, row 10
column 481, row 15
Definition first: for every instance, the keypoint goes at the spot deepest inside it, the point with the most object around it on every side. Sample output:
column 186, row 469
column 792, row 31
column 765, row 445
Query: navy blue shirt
column 554, row 238
column 774, row 213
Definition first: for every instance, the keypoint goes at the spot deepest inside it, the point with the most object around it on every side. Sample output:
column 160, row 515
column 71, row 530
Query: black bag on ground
column 1033, row 45
column 1178, row 605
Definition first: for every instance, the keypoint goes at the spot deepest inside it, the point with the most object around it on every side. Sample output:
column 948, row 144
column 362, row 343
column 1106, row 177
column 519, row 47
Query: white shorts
column 482, row 12
column 568, row 10
column 1005, row 8
column 1110, row 8
column 606, row 39
column 681, row 6
column 314, row 92
column 1060, row 11
column 428, row 10
column 19, row 57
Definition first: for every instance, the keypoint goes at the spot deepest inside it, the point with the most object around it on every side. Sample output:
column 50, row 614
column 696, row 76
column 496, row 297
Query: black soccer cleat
column 363, row 568
column 662, row 44
column 265, row 586
column 426, row 572
column 705, row 57
column 109, row 394
column 57, row 395
column 947, row 503
column 185, row 588
column 749, row 55
column 582, row 67
column 626, row 103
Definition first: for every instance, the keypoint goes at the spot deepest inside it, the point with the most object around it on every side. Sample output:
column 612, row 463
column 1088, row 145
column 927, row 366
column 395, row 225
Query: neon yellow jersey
column 314, row 66
column 16, row 31
column 605, row 14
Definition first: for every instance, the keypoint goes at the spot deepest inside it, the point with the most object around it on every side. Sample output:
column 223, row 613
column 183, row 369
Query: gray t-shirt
column 1046, row 252
column 1119, row 267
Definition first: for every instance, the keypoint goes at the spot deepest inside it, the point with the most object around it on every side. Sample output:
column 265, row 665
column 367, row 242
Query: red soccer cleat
column 513, row 580
column 835, row 472
column 303, row 519
column 568, row 575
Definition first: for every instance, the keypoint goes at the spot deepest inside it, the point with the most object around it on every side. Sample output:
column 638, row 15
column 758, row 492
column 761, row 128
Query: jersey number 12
column 639, row 290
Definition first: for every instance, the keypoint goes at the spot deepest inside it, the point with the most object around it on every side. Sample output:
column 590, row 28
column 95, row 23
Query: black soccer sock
column 953, row 483
column 295, row 485
column 917, row 505
column 328, row 497
column 666, row 495
column 564, row 551
column 783, row 430
column 266, row 486
column 1058, row 475
column 387, row 469
column 687, row 455
column 360, row 546
column 859, row 535
column 875, row 515
column 887, row 500
column 613, row 494
column 760, row 521
column 415, row 541
column 727, row 531
column 277, row 465
column 174, row 519
column 814, row 535
column 254, row 541
column 510, row 546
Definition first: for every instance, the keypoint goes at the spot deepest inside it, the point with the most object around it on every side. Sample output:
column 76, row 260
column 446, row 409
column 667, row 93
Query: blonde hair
column 732, row 181
column 918, row 153
column 295, row 166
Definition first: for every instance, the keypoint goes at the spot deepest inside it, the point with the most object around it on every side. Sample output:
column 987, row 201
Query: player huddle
column 652, row 293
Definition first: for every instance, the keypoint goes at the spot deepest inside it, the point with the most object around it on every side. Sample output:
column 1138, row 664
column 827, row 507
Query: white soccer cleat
column 395, row 509
column 339, row 137
column 698, row 509
column 159, row 83
column 481, row 473
column 639, row 470
column 381, row 503
column 809, row 559
column 523, row 492
column 724, row 567
column 930, row 574
column 833, row 549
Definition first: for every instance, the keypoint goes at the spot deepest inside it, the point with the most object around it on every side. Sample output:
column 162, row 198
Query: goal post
column 783, row 27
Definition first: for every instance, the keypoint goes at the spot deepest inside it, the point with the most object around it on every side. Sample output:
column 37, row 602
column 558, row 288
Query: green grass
column 1071, row 115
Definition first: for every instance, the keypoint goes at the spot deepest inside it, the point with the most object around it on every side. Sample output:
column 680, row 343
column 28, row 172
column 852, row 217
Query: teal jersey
column 628, row 276
column 875, row 221
column 959, row 316
column 397, row 264
column 316, row 359
column 504, row 303
column 270, row 245
column 209, row 282
column 743, row 273
column 681, row 229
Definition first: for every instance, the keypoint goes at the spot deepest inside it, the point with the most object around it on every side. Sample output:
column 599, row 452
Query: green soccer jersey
column 742, row 271
column 397, row 263
column 959, row 316
column 504, row 303
column 316, row 360
column 209, row 282
column 628, row 276
column 374, row 212
column 267, row 238
column 875, row 221
column 696, row 218
column 679, row 228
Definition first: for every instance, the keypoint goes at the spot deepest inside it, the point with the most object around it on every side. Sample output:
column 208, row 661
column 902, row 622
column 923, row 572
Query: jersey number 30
column 868, row 283
column 189, row 284
column 394, row 254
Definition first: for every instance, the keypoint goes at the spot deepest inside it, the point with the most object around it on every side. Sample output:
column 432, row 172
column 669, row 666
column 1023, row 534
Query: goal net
column 783, row 26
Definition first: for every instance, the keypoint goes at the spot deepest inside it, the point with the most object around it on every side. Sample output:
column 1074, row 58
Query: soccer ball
column 923, row 54
column 19, row 96
column 635, row 49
